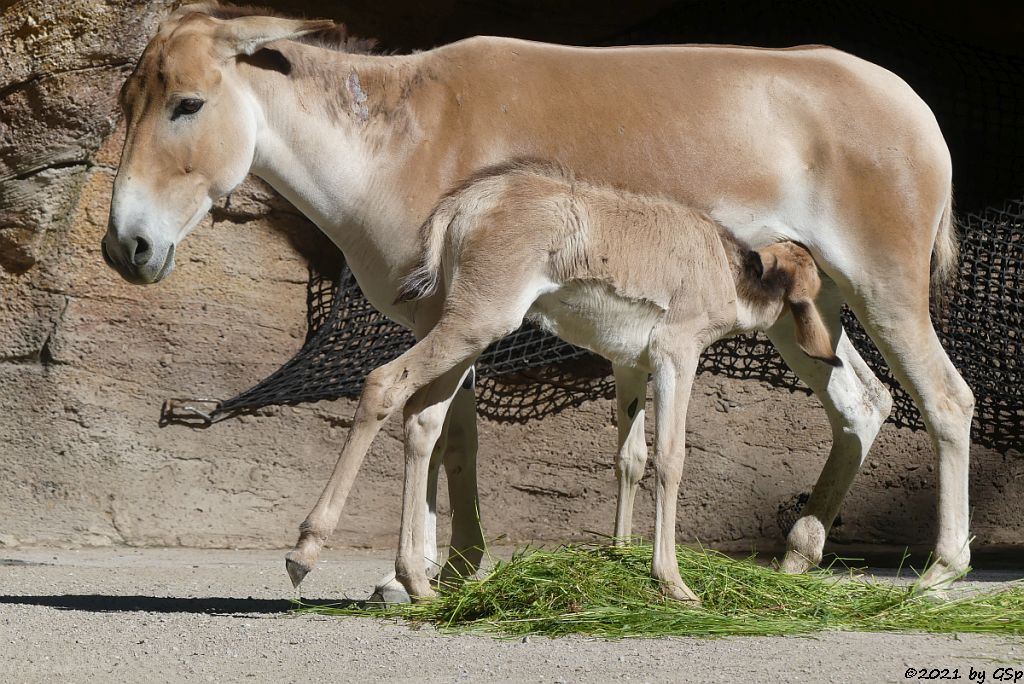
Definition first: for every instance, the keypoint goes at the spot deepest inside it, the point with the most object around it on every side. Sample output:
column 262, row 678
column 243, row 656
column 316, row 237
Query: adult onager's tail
column 945, row 256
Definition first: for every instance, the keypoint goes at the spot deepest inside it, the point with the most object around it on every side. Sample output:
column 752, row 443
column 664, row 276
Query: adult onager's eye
column 190, row 105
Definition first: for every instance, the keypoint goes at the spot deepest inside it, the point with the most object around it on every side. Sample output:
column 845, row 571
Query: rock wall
column 86, row 360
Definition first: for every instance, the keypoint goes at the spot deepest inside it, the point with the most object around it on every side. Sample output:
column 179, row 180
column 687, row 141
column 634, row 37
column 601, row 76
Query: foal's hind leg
column 630, row 400
column 424, row 419
column 456, row 448
column 467, row 544
column 386, row 388
column 856, row 403
column 456, row 445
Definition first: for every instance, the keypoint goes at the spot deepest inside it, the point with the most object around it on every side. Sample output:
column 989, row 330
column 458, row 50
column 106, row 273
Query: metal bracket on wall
column 192, row 412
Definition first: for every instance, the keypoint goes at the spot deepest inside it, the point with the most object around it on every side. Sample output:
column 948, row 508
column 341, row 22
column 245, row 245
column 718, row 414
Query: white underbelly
column 593, row 316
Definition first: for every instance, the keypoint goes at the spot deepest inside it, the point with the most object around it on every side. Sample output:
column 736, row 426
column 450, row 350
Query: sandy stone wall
column 86, row 360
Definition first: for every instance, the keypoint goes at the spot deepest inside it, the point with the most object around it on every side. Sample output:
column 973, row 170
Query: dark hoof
column 297, row 570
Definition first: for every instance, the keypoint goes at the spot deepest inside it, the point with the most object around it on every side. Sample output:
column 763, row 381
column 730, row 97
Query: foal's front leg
column 673, row 380
column 631, row 458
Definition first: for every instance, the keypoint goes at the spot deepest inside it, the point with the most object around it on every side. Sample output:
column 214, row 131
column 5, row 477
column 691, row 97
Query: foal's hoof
column 390, row 592
column 418, row 587
column 938, row 578
column 426, row 595
column 681, row 593
column 297, row 568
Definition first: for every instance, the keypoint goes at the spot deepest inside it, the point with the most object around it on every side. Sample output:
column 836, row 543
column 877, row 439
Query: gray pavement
column 197, row 615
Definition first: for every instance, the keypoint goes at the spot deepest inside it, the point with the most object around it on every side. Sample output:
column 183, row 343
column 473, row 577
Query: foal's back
column 620, row 265
column 600, row 267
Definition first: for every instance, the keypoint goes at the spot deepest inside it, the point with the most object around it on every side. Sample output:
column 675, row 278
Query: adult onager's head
column 191, row 134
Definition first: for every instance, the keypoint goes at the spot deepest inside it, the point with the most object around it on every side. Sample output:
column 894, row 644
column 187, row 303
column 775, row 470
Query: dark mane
column 337, row 38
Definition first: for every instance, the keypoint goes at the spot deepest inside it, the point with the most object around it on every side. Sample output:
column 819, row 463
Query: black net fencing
column 978, row 97
column 981, row 328
column 530, row 374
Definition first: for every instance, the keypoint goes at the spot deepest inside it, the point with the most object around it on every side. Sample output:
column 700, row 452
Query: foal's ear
column 765, row 266
column 811, row 334
column 789, row 269
column 246, row 35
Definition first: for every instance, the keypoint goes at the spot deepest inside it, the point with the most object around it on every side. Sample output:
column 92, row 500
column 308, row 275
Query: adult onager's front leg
column 452, row 344
column 386, row 389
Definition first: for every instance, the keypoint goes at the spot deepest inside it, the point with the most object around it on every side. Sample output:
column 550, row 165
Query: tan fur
column 588, row 262
column 642, row 248
column 807, row 145
column 945, row 257
column 787, row 270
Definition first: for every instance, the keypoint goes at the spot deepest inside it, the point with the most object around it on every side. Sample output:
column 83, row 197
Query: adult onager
column 806, row 144
column 644, row 282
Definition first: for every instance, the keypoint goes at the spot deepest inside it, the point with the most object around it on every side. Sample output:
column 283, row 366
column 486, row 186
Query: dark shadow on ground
column 100, row 603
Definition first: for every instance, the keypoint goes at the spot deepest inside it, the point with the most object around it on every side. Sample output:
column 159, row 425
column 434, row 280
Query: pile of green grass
column 607, row 591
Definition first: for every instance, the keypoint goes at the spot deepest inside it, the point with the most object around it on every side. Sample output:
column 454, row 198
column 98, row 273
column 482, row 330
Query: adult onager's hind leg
column 856, row 403
column 886, row 282
column 901, row 327
column 631, row 458
column 673, row 380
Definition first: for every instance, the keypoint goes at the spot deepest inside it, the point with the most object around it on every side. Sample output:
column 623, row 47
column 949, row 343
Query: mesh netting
column 978, row 97
column 981, row 328
column 530, row 374
column 523, row 376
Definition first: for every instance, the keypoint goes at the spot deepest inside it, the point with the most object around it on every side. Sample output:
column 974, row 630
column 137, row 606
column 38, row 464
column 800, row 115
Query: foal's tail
column 786, row 270
column 945, row 256
column 424, row 279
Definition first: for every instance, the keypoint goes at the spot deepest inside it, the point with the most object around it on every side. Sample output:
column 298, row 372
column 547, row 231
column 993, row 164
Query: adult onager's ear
column 246, row 35
column 790, row 267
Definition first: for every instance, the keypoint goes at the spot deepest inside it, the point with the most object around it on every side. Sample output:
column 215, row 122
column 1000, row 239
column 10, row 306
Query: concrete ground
column 199, row 615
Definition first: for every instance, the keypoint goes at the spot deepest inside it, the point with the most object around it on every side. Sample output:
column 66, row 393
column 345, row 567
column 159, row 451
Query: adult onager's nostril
column 141, row 251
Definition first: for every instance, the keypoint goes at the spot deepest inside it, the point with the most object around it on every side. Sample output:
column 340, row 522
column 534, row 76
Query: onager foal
column 644, row 282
